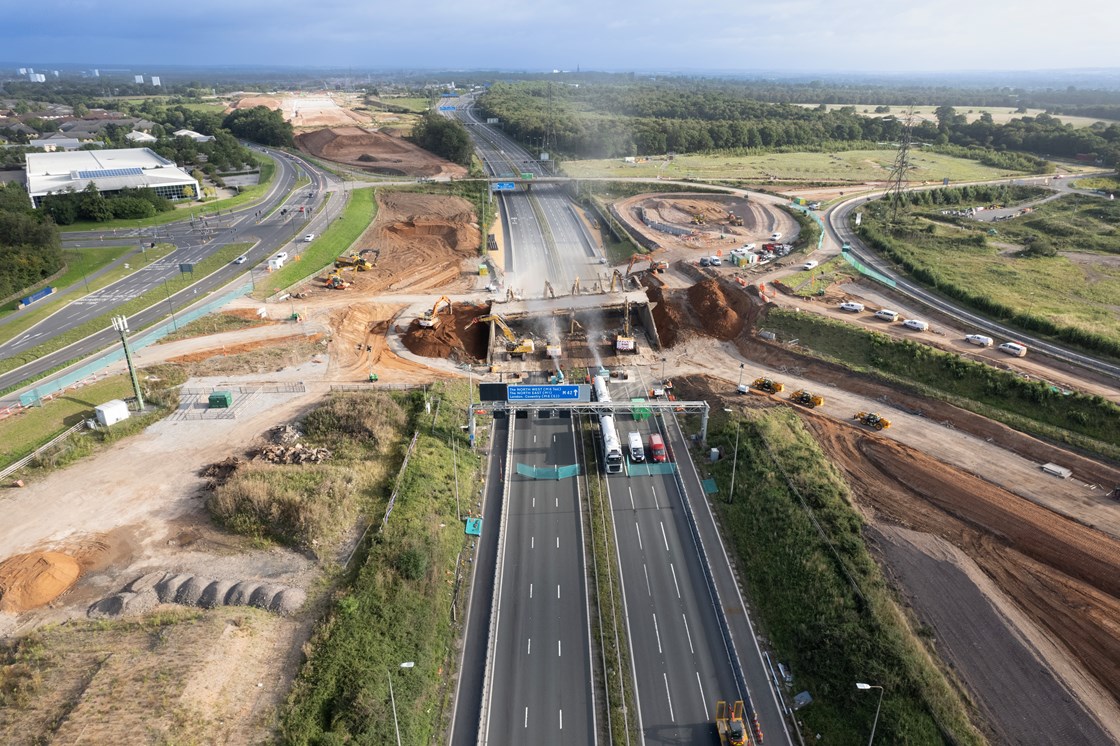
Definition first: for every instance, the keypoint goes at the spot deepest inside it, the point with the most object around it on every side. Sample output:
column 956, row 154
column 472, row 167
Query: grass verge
column 355, row 218
column 819, row 594
column 215, row 323
column 1105, row 183
column 218, row 259
column 1085, row 421
column 397, row 604
column 813, row 282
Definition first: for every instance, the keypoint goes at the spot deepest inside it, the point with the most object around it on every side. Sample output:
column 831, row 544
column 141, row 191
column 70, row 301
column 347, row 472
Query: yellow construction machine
column 357, row 262
column 730, row 725
column 625, row 341
column 654, row 264
column 430, row 319
column 806, row 398
column 698, row 219
column 873, row 419
column 767, row 385
column 733, row 219
column 335, row 282
column 514, row 346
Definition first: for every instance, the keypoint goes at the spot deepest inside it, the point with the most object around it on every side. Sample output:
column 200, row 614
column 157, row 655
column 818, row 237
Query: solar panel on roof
column 108, row 172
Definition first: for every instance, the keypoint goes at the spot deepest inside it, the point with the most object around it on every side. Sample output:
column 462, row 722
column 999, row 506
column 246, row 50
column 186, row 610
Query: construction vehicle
column 625, row 342
column 735, row 220
column 617, row 277
column 514, row 346
column 654, row 264
column 548, row 291
column 575, row 287
column 767, row 385
column 430, row 319
column 335, row 282
column 806, row 398
column 553, row 348
column 698, row 219
column 873, row 419
column 357, row 262
column 730, row 725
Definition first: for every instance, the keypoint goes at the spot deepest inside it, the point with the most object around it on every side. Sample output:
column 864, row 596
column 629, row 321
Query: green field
column 78, row 264
column 419, row 105
column 855, row 166
column 356, row 217
column 1000, row 115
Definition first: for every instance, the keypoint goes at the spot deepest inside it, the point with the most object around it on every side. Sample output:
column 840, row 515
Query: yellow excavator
column 430, row 319
column 873, row 419
column 806, row 398
column 357, row 262
column 514, row 346
column 767, row 385
column 654, row 264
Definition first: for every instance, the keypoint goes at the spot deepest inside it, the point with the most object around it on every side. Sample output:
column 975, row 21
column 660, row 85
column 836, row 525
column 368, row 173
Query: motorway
column 194, row 240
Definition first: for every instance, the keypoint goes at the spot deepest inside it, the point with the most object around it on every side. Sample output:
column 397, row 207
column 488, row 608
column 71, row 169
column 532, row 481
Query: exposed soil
column 723, row 311
column 453, row 338
column 28, row 581
column 667, row 315
column 376, row 152
column 715, row 233
column 309, row 109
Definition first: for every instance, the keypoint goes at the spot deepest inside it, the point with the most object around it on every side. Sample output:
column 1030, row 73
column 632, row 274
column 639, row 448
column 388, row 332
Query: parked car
column 886, row 314
column 809, row 264
column 309, row 238
column 916, row 324
column 849, row 305
column 715, row 261
column 241, row 259
column 1013, row 348
column 979, row 340
column 705, row 261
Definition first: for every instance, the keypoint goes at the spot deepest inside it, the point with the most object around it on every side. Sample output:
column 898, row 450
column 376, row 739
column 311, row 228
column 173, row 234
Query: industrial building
column 110, row 171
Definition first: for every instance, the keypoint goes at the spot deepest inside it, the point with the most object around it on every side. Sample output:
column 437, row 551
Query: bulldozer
column 730, row 724
column 767, row 385
column 335, row 282
column 357, row 262
column 735, row 220
column 873, row 419
column 514, row 346
column 806, row 398
column 430, row 319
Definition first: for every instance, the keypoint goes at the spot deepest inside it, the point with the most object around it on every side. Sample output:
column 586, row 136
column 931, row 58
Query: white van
column 715, row 261
column 886, row 314
column 809, row 264
column 1013, row 348
column 979, row 340
column 916, row 324
column 637, row 447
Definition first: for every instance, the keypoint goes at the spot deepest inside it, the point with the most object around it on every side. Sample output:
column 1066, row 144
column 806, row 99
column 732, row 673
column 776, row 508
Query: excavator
column 357, row 262
column 730, row 725
column 654, row 264
column 873, row 419
column 806, row 398
column 335, row 282
column 625, row 342
column 514, row 346
column 619, row 279
column 767, row 385
column 430, row 319
column 548, row 290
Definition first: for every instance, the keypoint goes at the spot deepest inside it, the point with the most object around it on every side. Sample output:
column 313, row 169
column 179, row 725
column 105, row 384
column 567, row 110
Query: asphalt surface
column 194, row 240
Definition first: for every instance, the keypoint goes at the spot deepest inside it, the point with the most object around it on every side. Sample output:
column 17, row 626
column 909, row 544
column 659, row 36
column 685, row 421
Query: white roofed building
column 137, row 136
column 197, row 137
column 110, row 170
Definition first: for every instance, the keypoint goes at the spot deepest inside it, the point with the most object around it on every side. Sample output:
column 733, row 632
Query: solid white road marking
column 529, row 647
column 663, row 537
column 657, row 633
column 532, row 542
column 639, row 530
column 557, row 542
column 675, row 585
column 526, row 717
column 558, row 653
column 654, row 492
column 632, row 506
column 702, row 697
column 669, row 697
column 690, row 648
column 646, row 571
column 561, row 720
column 557, row 590
column 558, row 502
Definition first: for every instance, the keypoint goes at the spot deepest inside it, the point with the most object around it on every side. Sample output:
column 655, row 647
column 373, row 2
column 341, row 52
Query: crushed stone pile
column 28, row 581
column 717, row 315
column 296, row 454
column 220, row 472
column 148, row 591
column 283, row 435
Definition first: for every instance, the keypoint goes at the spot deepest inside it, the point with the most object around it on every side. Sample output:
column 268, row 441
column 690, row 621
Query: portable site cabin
column 221, row 399
column 111, row 412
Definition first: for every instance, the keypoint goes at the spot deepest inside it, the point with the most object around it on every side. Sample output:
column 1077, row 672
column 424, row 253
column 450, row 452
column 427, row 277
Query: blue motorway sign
column 561, row 392
column 447, row 108
column 504, row 186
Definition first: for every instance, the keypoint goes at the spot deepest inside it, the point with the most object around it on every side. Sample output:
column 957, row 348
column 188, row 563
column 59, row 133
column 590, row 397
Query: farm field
column 854, row 166
column 1000, row 115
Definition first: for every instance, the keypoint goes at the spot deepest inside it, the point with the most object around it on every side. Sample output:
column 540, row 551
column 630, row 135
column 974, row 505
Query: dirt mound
column 453, row 339
column 376, row 152
column 28, row 581
column 220, row 472
column 717, row 314
column 667, row 315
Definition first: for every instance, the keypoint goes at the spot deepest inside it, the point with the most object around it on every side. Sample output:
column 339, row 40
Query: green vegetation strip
column 819, row 595
column 812, row 282
column 212, row 263
column 397, row 606
column 248, row 194
column 342, row 233
column 608, row 626
column 810, row 232
column 1087, row 421
column 213, row 323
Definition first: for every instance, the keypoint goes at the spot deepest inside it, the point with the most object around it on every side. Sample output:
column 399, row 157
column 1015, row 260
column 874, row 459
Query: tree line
column 444, row 136
column 30, row 247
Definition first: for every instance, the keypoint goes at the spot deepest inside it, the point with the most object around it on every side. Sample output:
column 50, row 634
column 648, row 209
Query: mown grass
column 342, row 233
column 213, row 323
column 1107, row 183
column 397, row 605
column 1086, row 421
column 418, row 105
column 210, row 264
column 819, row 595
column 248, row 194
column 856, row 166
column 811, row 282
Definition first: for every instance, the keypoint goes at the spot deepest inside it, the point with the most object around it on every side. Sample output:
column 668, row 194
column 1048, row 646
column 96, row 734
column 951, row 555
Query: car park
column 886, row 314
column 979, row 340
column 1013, row 348
column 241, row 259
column 809, row 264
column 916, row 324
column 849, row 305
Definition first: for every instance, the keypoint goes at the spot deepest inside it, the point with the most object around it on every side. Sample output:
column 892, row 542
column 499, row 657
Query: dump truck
column 430, row 319
column 735, row 220
column 873, row 419
column 730, row 724
column 806, row 398
column 767, row 385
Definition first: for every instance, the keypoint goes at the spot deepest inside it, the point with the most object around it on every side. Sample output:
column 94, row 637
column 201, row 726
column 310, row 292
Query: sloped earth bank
column 376, row 152
column 453, row 338
column 1063, row 575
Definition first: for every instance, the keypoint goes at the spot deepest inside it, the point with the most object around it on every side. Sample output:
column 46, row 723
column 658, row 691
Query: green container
column 221, row 399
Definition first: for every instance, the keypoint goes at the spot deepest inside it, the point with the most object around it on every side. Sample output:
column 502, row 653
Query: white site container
column 111, row 412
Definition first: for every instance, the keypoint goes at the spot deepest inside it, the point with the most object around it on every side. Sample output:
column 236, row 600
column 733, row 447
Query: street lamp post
column 864, row 687
column 740, row 385
column 734, row 459
column 396, row 725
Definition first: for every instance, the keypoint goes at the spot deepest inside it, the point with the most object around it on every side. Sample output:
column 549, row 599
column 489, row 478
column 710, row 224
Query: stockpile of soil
column 453, row 338
column 28, row 581
column 716, row 311
column 376, row 152
column 220, row 472
column 667, row 315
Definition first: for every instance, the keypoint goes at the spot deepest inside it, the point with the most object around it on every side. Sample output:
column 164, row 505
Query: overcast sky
column 801, row 35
